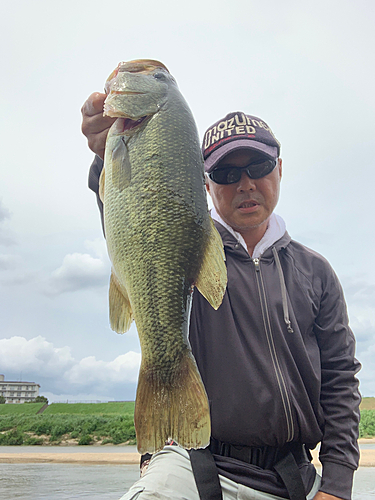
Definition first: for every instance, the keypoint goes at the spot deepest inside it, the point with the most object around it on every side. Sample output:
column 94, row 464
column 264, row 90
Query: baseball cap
column 237, row 130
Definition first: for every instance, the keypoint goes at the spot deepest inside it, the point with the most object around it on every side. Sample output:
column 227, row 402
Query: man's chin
column 249, row 224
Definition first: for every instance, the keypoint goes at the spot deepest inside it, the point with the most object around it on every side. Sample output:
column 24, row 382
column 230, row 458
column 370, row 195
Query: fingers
column 95, row 126
column 94, row 104
column 96, row 142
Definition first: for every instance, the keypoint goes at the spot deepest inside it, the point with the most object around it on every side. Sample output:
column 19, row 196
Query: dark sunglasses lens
column 261, row 169
column 228, row 175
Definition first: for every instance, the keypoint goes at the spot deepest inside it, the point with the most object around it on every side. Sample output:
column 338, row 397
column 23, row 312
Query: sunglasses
column 231, row 175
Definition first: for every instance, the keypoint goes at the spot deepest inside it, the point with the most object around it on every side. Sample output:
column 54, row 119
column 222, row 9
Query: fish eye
column 160, row 76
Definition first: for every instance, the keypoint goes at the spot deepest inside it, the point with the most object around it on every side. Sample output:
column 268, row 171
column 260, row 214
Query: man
column 277, row 357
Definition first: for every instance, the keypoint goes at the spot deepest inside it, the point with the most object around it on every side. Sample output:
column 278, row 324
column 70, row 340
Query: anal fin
column 120, row 311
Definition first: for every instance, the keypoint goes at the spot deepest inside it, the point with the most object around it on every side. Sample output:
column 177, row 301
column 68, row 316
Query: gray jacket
column 277, row 357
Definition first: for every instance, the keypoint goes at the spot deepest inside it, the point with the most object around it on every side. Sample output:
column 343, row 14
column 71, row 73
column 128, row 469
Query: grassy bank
column 100, row 423
column 368, row 404
column 118, row 408
column 367, row 424
column 60, row 423
column 20, row 409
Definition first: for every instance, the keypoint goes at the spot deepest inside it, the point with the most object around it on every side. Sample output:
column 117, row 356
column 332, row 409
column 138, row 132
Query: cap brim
column 214, row 158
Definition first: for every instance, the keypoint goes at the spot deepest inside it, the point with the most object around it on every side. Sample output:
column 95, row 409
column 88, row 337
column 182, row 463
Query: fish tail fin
column 171, row 406
column 120, row 311
column 212, row 277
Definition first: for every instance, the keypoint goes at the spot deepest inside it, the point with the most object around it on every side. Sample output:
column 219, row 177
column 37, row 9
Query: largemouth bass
column 161, row 242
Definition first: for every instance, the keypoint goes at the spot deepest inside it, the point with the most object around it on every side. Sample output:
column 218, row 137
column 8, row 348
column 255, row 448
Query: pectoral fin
column 212, row 278
column 121, row 168
column 101, row 185
column 120, row 311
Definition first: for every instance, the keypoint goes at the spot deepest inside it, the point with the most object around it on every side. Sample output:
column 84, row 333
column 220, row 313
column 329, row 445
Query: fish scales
column 161, row 241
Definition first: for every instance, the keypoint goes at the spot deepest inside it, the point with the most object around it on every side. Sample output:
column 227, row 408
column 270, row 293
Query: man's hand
column 95, row 126
column 325, row 496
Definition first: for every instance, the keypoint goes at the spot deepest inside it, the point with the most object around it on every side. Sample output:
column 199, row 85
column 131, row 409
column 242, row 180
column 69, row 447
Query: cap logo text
column 240, row 124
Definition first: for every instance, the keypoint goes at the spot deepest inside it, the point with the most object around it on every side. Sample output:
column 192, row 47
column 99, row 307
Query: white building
column 18, row 392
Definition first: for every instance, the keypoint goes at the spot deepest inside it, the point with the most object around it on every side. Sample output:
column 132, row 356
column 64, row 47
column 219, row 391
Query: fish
column 162, row 243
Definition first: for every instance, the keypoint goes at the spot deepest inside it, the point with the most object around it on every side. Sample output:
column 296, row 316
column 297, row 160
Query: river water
column 51, row 481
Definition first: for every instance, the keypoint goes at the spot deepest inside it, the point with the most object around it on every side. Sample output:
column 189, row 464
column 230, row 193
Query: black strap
column 205, row 474
column 288, row 470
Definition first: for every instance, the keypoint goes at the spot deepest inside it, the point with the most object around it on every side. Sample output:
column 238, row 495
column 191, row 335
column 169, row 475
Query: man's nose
column 246, row 183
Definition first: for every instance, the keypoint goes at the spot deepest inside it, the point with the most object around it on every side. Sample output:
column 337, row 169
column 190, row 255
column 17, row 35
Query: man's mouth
column 248, row 204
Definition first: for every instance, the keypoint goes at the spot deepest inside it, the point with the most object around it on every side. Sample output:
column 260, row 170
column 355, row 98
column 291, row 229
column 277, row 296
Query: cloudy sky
column 306, row 68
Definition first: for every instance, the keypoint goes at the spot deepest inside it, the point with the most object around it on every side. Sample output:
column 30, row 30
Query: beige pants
column 169, row 476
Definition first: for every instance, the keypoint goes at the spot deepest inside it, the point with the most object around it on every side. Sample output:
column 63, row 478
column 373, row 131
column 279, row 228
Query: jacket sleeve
column 340, row 397
column 94, row 175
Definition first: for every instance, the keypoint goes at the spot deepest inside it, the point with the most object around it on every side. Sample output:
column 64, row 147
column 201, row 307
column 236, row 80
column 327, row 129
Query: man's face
column 247, row 204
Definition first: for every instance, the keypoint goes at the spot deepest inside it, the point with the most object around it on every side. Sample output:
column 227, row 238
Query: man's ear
column 280, row 167
column 207, row 183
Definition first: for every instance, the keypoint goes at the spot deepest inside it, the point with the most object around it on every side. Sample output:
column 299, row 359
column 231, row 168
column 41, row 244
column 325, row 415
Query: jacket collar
column 275, row 236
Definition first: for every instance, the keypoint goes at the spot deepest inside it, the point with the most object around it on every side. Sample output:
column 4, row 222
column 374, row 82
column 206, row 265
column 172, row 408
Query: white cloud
column 78, row 271
column 64, row 377
column 89, row 370
column 36, row 355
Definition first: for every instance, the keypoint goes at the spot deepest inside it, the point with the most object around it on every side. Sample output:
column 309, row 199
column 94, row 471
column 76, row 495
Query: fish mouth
column 130, row 124
column 126, row 92
column 125, row 125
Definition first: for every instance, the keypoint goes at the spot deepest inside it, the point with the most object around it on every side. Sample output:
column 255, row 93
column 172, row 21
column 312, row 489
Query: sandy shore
column 367, row 457
column 70, row 458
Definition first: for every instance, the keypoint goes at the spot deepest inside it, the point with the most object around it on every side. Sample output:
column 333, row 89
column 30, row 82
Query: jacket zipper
column 271, row 345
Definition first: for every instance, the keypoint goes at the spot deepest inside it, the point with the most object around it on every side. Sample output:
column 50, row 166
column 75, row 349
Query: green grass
column 20, row 409
column 367, row 424
column 120, row 408
column 95, row 423
column 20, row 429
column 368, row 404
column 84, row 423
